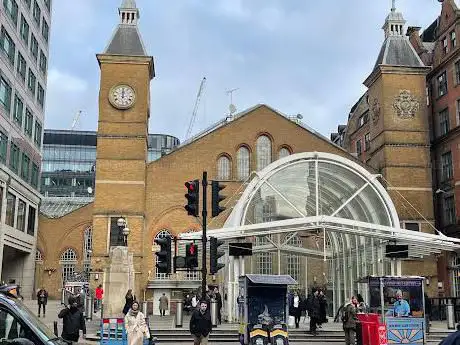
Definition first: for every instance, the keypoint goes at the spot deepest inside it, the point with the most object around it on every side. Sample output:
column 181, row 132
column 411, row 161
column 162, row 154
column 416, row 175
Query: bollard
column 102, row 311
column 55, row 329
column 179, row 313
column 450, row 315
column 214, row 312
column 89, row 307
column 144, row 308
column 63, row 301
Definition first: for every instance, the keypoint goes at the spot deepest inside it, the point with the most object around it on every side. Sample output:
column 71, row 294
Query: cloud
column 63, row 82
column 298, row 56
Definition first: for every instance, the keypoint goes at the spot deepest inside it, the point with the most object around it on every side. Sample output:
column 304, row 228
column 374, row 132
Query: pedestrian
column 349, row 320
column 200, row 324
column 187, row 304
column 218, row 298
column 99, row 294
column 129, row 300
column 313, row 311
column 164, row 304
column 72, row 321
column 362, row 306
column 136, row 327
column 322, row 308
column 42, row 300
column 294, row 308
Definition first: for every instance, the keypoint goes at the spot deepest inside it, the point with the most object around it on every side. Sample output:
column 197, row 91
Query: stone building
column 150, row 196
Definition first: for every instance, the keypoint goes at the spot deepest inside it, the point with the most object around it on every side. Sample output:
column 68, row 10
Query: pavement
column 166, row 323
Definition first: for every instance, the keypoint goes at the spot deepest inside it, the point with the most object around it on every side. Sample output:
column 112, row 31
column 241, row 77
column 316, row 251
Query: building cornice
column 128, row 59
column 387, row 69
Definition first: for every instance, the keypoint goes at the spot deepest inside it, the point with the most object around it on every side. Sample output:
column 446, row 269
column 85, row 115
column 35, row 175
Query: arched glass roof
column 313, row 184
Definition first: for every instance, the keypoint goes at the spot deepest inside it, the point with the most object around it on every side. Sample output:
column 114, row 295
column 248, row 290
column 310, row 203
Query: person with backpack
column 349, row 320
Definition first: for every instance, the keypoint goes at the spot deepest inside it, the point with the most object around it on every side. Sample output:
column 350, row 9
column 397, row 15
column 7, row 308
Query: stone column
column 120, row 278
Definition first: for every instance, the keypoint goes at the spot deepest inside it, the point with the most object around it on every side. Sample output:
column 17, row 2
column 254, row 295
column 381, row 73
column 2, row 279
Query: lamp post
column 123, row 230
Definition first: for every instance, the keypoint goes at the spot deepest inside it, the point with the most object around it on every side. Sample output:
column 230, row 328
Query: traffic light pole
column 204, row 271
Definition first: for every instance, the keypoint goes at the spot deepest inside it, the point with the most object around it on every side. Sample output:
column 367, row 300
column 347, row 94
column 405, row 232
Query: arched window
column 283, row 152
column 87, row 250
column 38, row 255
column 292, row 260
column 264, row 151
column 224, row 168
column 242, row 162
column 162, row 234
column 68, row 263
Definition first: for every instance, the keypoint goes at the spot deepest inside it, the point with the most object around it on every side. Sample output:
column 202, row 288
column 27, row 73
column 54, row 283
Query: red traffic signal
column 191, row 255
column 193, row 197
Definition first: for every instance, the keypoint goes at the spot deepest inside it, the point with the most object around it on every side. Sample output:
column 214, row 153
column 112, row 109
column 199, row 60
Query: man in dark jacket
column 218, row 298
column 313, row 311
column 42, row 299
column 73, row 321
column 200, row 324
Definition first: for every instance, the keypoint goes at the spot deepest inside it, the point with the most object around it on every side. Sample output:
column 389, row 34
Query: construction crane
column 75, row 121
column 195, row 108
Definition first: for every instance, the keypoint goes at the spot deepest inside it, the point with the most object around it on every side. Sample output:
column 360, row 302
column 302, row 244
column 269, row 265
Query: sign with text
column 408, row 331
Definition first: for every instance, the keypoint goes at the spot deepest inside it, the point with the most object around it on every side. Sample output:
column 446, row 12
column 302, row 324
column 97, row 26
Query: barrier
column 113, row 332
column 371, row 332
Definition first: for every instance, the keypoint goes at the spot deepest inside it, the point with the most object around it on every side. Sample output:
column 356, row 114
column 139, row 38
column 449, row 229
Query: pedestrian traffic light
column 164, row 254
column 191, row 255
column 217, row 198
column 193, row 197
column 215, row 254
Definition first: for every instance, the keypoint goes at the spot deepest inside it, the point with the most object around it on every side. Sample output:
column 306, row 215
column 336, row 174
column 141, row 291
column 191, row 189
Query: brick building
column 150, row 196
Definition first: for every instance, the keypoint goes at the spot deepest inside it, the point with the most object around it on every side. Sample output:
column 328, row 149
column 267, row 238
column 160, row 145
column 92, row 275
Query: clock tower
column 126, row 72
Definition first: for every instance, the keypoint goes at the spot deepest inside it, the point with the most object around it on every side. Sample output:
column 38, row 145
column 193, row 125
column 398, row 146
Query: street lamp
column 123, row 230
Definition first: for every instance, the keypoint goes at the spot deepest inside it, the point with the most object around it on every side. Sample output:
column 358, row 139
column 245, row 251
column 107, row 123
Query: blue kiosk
column 400, row 302
column 263, row 309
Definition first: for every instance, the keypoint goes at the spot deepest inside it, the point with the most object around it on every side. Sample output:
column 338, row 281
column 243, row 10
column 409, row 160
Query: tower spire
column 126, row 39
column 394, row 23
column 129, row 13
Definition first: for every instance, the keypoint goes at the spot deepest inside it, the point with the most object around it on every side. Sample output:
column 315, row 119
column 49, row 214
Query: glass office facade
column 69, row 161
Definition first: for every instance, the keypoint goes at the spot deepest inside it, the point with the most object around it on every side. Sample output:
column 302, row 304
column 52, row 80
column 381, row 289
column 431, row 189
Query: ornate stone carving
column 406, row 105
column 375, row 109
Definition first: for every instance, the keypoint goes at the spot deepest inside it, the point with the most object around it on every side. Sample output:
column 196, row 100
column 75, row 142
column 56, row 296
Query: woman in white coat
column 136, row 328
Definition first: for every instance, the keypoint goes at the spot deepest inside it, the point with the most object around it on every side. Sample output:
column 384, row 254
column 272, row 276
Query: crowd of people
column 314, row 305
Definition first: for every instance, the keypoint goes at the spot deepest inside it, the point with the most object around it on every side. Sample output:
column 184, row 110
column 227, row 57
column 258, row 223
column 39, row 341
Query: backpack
column 344, row 316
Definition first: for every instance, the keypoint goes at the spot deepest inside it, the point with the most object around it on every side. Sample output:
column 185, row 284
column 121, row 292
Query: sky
column 298, row 56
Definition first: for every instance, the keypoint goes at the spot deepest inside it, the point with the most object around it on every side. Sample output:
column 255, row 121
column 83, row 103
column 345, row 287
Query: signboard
column 408, row 331
column 411, row 289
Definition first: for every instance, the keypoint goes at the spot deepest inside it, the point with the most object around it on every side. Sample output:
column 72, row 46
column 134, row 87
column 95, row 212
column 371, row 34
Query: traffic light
column 216, row 198
column 164, row 255
column 193, row 197
column 191, row 255
column 215, row 254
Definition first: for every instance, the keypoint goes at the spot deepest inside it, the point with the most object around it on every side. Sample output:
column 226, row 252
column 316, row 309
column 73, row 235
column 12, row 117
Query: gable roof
column 229, row 120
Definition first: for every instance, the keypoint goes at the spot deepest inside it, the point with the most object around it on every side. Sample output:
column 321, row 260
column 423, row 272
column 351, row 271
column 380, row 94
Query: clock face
column 122, row 96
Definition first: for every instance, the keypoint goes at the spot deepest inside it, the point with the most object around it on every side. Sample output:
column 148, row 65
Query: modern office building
column 24, row 46
column 69, row 161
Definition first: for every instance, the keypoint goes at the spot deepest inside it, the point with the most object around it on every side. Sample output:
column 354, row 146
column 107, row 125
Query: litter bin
column 450, row 314
column 179, row 313
column 214, row 312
